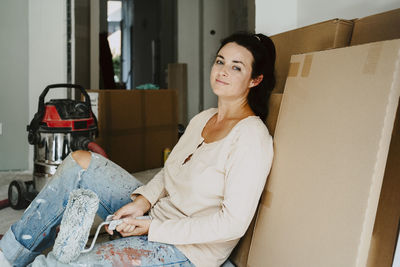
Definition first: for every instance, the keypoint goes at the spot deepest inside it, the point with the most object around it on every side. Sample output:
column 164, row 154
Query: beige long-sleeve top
column 204, row 206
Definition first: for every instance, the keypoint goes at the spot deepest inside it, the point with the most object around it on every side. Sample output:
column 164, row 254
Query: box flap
column 379, row 27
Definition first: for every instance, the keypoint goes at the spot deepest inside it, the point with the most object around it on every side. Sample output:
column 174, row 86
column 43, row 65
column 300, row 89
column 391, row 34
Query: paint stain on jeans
column 123, row 256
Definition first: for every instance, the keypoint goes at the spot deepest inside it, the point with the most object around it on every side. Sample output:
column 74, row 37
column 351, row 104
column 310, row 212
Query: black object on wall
column 106, row 66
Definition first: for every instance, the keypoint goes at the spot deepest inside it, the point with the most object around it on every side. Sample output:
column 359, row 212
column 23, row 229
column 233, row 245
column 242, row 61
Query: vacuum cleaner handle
column 34, row 125
column 61, row 85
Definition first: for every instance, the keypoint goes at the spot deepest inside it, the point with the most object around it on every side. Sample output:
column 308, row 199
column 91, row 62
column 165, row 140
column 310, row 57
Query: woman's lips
column 221, row 82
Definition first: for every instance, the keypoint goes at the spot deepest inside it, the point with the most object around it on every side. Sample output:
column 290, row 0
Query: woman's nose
column 224, row 71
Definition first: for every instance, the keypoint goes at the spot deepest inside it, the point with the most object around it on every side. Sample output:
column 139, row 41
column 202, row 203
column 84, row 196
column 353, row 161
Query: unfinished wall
column 276, row 17
column 188, row 49
column 313, row 11
column 14, row 106
column 47, row 54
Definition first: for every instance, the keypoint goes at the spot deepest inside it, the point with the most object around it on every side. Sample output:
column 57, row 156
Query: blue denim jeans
column 36, row 230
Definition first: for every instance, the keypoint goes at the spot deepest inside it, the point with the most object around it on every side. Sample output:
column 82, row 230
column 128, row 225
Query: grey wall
column 154, row 33
column 14, row 103
column 273, row 17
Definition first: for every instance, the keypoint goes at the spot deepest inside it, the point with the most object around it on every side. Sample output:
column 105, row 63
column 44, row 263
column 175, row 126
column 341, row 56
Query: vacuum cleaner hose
column 84, row 143
column 92, row 146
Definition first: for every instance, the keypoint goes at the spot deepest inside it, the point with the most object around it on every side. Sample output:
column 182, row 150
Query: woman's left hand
column 131, row 227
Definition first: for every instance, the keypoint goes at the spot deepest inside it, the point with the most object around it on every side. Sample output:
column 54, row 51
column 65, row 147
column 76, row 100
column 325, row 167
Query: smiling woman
column 261, row 66
column 203, row 200
column 231, row 72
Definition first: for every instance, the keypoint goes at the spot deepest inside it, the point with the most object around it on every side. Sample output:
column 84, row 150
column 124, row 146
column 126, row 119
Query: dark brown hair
column 263, row 50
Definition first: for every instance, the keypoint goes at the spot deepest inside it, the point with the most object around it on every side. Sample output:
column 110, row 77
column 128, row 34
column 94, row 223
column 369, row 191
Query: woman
column 200, row 203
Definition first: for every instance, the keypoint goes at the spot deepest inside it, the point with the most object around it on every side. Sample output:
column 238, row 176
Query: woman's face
column 231, row 73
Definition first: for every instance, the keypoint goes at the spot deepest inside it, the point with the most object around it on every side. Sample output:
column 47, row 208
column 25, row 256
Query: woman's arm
column 247, row 170
column 153, row 190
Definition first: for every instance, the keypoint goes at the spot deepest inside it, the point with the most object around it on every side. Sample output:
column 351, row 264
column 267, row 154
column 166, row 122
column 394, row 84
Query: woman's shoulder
column 252, row 130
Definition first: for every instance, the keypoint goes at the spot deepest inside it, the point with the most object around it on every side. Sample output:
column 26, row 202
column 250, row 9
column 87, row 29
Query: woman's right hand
column 131, row 210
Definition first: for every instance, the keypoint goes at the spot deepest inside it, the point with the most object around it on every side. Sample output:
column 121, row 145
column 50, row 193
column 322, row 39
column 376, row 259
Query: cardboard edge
column 335, row 20
column 379, row 168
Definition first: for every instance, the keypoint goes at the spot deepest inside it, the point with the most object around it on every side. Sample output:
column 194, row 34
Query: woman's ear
column 256, row 81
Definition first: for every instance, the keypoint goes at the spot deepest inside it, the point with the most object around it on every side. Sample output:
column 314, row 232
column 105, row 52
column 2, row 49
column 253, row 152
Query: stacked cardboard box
column 379, row 27
column 321, row 36
column 135, row 126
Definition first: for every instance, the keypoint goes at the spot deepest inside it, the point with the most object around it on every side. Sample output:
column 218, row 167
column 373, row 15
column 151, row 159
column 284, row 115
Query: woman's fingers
column 142, row 226
column 131, row 226
column 120, row 228
column 119, row 213
column 108, row 230
column 128, row 210
column 128, row 228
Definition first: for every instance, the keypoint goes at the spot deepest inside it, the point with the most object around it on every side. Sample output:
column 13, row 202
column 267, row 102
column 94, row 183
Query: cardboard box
column 135, row 126
column 331, row 147
column 321, row 36
column 177, row 80
column 240, row 253
column 379, row 27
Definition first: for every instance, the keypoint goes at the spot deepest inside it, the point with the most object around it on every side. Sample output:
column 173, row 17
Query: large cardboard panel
column 379, row 27
column 240, row 254
column 387, row 217
column 331, row 145
column 321, row 36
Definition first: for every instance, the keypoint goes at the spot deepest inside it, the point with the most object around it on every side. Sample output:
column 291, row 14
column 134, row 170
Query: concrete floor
column 9, row 216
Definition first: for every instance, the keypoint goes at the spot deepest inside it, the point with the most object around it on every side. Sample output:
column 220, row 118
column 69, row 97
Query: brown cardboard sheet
column 379, row 27
column 331, row 146
column 321, row 36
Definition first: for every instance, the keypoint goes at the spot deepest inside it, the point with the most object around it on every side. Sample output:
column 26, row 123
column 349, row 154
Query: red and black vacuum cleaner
column 59, row 127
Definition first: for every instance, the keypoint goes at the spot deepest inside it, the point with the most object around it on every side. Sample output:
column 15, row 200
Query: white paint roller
column 76, row 223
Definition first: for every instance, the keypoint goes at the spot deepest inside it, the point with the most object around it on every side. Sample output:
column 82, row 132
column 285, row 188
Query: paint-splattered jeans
column 36, row 230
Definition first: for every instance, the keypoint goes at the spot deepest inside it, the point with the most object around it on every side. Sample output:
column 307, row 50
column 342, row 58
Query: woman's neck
column 236, row 110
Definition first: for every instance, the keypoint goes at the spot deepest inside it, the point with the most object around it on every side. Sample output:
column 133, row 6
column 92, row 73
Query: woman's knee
column 82, row 157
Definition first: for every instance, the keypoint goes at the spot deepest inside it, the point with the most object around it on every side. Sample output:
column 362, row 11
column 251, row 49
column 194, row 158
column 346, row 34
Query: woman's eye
column 236, row 68
column 219, row 62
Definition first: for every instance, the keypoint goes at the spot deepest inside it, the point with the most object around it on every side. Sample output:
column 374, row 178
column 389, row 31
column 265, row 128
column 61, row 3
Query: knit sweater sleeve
column 153, row 190
column 247, row 168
